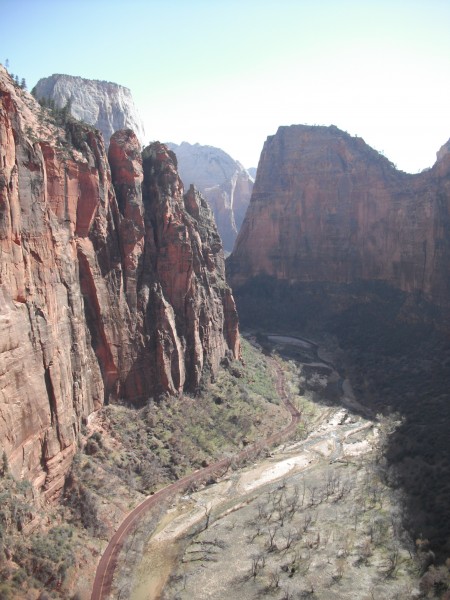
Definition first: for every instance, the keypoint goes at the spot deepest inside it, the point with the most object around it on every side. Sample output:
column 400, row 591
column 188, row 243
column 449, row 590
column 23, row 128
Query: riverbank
column 201, row 548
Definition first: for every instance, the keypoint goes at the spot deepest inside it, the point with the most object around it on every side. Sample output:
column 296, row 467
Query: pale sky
column 228, row 73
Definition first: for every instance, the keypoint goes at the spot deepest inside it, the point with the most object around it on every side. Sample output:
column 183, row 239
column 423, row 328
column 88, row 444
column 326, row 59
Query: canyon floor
column 310, row 519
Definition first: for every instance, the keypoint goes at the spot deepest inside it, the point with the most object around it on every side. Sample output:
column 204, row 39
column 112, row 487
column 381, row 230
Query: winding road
column 109, row 560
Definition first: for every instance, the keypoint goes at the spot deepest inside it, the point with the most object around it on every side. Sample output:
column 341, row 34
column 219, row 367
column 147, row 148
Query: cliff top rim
column 337, row 133
column 78, row 78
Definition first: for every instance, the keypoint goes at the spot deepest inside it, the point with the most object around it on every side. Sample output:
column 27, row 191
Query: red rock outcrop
column 111, row 283
column 328, row 208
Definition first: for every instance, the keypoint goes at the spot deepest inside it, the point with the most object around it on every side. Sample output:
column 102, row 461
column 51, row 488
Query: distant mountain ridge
column 224, row 182
column 107, row 106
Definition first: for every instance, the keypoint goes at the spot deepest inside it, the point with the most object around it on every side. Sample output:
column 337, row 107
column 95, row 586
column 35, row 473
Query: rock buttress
column 106, row 294
column 328, row 208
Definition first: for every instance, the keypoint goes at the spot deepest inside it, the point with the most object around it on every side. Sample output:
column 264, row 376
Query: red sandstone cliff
column 327, row 208
column 111, row 283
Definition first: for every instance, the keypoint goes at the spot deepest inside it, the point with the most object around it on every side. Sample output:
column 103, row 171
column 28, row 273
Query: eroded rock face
column 328, row 208
column 224, row 182
column 111, row 283
column 186, row 308
column 107, row 106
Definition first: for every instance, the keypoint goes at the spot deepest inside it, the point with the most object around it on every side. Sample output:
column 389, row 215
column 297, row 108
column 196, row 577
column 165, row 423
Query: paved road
column 108, row 562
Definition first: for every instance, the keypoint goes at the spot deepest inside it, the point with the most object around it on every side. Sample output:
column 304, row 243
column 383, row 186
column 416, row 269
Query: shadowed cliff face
column 338, row 243
column 327, row 208
column 111, row 283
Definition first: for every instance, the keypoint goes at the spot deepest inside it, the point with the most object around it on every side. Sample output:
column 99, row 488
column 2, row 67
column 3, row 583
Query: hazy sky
column 228, row 72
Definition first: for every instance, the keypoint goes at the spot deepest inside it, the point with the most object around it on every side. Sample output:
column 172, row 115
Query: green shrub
column 5, row 592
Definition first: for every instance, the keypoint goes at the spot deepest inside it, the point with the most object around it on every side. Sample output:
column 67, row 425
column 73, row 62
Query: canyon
column 338, row 244
column 112, row 283
column 121, row 365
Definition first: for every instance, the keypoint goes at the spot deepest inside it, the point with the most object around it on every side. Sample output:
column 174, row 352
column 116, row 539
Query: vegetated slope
column 125, row 454
column 337, row 240
column 224, row 182
column 314, row 519
column 330, row 531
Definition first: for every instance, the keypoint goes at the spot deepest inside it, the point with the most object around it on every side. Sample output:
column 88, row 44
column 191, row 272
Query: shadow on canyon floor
column 398, row 362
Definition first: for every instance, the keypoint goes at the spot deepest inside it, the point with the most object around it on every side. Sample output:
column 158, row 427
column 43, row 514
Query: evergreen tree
column 5, row 466
column 23, row 84
column 66, row 111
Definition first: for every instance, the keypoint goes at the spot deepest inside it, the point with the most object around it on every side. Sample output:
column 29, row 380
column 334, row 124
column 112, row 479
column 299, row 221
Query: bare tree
column 307, row 519
column 258, row 563
column 262, row 512
column 391, row 565
column 256, row 533
column 287, row 595
column 271, row 533
column 312, row 495
column 275, row 578
column 289, row 537
column 208, row 516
